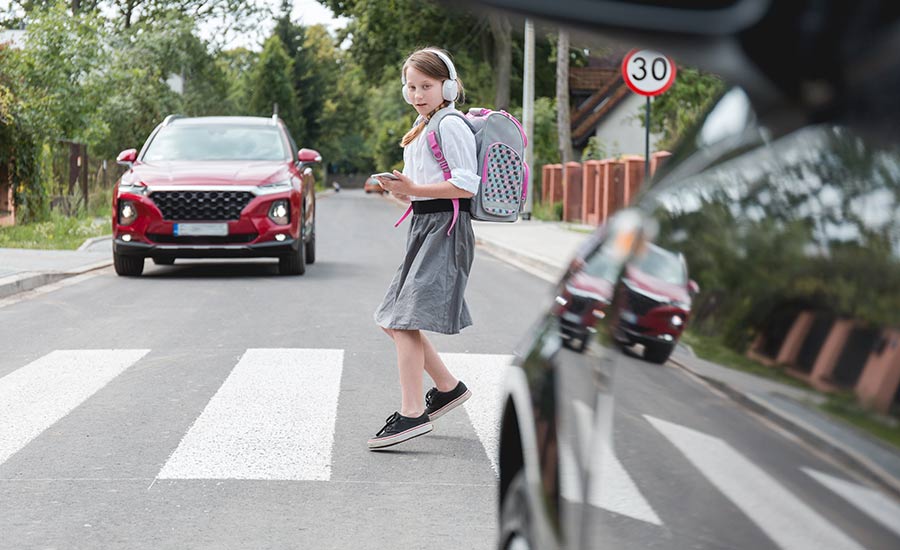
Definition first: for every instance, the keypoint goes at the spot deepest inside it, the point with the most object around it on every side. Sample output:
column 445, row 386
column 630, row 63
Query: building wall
column 621, row 129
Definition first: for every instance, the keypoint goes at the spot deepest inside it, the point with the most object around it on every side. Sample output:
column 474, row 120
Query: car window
column 661, row 265
column 216, row 142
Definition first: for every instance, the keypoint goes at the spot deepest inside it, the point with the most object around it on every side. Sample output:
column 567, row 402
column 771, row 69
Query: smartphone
column 387, row 175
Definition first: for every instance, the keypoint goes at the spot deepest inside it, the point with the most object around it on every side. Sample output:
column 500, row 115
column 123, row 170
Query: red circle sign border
column 633, row 88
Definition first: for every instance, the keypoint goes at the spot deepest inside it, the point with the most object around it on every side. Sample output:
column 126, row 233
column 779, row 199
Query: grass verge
column 716, row 352
column 845, row 408
column 58, row 233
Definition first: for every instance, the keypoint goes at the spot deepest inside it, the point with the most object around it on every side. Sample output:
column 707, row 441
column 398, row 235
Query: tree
column 271, row 86
column 676, row 111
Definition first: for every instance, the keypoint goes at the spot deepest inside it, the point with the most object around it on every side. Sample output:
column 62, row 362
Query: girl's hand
column 401, row 197
column 400, row 186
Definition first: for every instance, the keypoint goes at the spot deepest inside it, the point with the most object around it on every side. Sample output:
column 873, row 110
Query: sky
column 305, row 12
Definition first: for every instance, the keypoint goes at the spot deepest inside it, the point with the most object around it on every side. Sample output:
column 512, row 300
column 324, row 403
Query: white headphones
column 449, row 89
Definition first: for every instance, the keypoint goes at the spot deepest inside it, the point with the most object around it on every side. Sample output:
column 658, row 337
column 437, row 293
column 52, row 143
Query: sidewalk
column 24, row 269
column 544, row 249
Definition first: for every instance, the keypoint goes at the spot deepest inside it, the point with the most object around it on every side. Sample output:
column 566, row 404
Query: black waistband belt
column 439, row 205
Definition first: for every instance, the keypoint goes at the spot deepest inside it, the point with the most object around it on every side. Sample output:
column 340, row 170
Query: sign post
column 648, row 73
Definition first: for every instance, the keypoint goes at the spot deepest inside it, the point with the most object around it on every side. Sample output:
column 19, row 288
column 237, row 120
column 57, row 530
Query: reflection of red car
column 583, row 301
column 372, row 186
column 654, row 302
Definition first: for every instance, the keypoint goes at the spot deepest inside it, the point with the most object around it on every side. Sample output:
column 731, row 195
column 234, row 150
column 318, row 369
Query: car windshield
column 660, row 264
column 217, row 142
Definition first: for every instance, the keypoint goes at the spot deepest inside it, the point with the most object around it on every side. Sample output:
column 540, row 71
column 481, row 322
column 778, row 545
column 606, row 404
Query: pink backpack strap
column 445, row 168
column 405, row 215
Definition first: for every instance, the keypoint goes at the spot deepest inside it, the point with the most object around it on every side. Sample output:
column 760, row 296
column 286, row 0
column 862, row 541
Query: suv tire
column 516, row 518
column 658, row 353
column 294, row 263
column 128, row 266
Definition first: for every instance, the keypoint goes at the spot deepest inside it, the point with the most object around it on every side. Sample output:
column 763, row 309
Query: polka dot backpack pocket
column 500, row 144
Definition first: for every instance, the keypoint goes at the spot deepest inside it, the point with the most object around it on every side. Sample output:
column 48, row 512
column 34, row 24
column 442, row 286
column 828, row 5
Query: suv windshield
column 217, row 142
column 661, row 265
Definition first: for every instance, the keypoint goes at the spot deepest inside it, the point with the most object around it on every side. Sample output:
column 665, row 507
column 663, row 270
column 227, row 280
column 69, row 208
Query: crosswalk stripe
column 782, row 516
column 616, row 491
column 484, row 375
column 273, row 418
column 874, row 504
column 37, row 395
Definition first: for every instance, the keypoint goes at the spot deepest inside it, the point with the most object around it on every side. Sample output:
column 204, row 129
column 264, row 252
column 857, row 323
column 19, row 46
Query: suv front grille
column 201, row 205
column 640, row 304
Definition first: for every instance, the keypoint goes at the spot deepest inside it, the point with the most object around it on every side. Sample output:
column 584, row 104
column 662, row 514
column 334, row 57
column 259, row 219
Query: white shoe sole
column 382, row 442
column 450, row 406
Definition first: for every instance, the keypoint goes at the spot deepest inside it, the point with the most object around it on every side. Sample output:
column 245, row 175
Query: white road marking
column 37, row 395
column 789, row 522
column 483, row 374
column 874, row 504
column 273, row 418
column 616, row 491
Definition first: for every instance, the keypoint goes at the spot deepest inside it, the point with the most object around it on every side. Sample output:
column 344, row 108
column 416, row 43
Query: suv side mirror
column 693, row 287
column 127, row 157
column 308, row 156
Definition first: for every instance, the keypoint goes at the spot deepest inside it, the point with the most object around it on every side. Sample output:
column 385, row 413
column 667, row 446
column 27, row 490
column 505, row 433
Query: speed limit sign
column 647, row 72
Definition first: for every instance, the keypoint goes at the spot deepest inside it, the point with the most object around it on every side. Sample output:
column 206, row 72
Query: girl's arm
column 442, row 190
column 459, row 150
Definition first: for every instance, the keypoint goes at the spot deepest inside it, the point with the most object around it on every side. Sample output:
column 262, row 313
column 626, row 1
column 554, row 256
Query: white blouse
column 458, row 146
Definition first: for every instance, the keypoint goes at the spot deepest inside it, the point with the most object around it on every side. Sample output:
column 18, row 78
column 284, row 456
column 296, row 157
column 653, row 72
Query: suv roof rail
column 168, row 120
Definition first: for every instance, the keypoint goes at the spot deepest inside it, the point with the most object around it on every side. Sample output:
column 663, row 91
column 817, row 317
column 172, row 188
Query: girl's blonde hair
column 429, row 64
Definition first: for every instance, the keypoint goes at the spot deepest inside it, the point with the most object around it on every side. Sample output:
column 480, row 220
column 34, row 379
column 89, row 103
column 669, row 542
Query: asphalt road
column 164, row 412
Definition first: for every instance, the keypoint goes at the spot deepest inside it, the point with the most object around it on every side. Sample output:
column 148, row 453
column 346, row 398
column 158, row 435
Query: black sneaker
column 438, row 403
column 399, row 428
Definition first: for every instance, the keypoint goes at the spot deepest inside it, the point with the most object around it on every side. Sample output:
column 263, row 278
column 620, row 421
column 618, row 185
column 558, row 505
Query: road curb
column 93, row 240
column 530, row 262
column 23, row 282
column 809, row 434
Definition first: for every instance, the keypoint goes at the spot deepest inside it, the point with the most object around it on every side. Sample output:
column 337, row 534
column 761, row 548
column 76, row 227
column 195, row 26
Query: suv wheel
column 128, row 266
column 294, row 263
column 658, row 353
column 516, row 517
column 311, row 246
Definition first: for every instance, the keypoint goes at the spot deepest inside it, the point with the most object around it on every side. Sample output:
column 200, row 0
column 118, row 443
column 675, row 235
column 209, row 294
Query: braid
column 420, row 127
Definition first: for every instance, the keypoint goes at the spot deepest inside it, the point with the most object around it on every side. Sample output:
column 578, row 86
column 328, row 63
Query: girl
column 427, row 290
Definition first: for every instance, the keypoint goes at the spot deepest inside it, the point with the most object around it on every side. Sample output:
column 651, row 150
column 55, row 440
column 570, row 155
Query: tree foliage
column 676, row 111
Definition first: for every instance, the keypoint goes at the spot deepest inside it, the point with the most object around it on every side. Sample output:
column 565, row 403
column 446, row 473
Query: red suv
column 216, row 187
column 654, row 302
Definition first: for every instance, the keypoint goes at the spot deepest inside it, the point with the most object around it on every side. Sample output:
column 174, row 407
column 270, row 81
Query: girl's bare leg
column 436, row 369
column 411, row 364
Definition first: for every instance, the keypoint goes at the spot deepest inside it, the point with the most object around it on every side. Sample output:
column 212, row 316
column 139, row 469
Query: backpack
column 500, row 149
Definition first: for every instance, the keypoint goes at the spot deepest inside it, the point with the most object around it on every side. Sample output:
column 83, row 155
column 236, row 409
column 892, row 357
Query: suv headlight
column 280, row 212
column 127, row 212
column 137, row 188
column 276, row 187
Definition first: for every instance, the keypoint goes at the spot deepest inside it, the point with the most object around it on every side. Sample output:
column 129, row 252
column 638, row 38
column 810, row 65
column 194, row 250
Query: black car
column 784, row 200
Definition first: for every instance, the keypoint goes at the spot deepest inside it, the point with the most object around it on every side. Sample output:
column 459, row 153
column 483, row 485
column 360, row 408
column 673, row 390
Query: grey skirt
column 427, row 292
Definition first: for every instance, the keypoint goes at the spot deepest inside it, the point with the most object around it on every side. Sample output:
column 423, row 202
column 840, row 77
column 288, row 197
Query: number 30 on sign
column 648, row 73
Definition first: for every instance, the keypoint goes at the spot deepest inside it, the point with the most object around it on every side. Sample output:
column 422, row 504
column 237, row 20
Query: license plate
column 200, row 229
column 629, row 317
